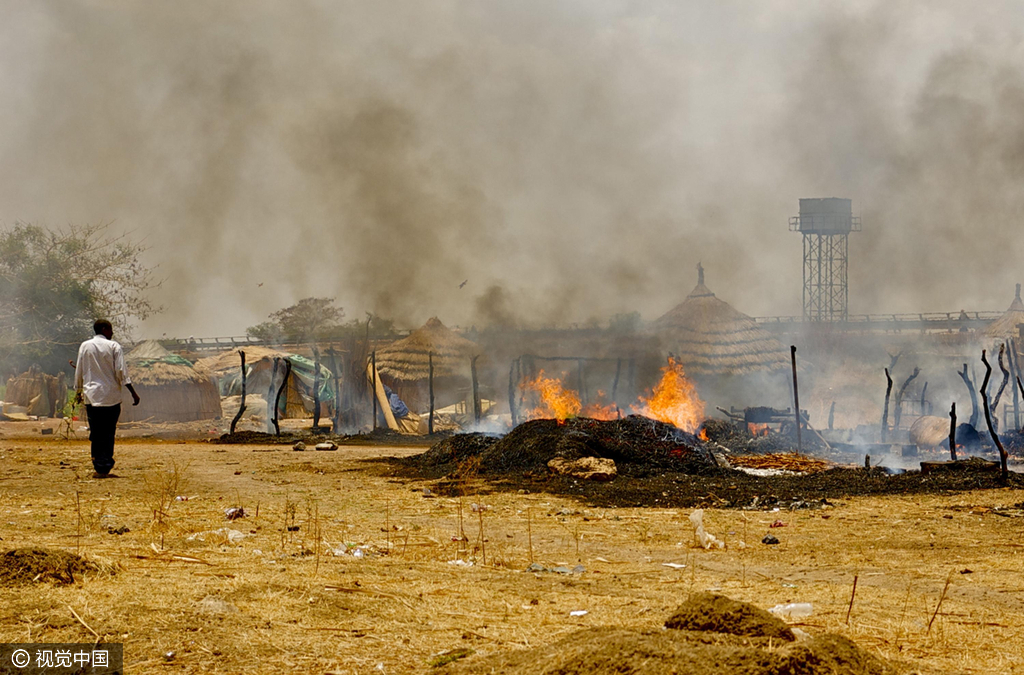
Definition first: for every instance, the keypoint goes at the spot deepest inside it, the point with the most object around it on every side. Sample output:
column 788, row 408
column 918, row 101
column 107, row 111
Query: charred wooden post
column 988, row 418
column 1015, row 374
column 430, row 391
column 974, row 396
column 582, row 388
column 885, row 410
column 241, row 407
column 952, row 431
column 831, row 415
column 373, row 391
column 316, row 388
column 899, row 398
column 271, row 410
column 1002, row 385
column 615, row 382
column 924, row 400
column 476, row 389
column 512, row 392
column 336, row 419
column 277, row 399
column 796, row 399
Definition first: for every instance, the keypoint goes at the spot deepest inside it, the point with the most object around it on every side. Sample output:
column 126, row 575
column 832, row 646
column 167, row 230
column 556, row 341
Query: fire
column 601, row 409
column 555, row 400
column 674, row 400
column 758, row 429
column 703, row 435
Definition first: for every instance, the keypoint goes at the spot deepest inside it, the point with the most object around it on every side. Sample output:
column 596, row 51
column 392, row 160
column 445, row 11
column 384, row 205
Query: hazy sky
column 570, row 159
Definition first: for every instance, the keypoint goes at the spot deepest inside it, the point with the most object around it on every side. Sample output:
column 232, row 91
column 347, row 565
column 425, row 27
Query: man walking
column 99, row 376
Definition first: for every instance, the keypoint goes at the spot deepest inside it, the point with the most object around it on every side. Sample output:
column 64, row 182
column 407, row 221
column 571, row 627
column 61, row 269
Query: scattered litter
column 703, row 539
column 293, row 528
column 359, row 553
column 789, row 586
column 770, row 539
column 461, row 563
column 578, row 612
column 169, row 656
column 427, row 493
column 793, row 610
column 479, row 508
column 299, row 446
column 558, row 569
column 675, row 566
column 778, row 523
column 235, row 512
column 118, row 530
column 327, row 446
column 966, row 571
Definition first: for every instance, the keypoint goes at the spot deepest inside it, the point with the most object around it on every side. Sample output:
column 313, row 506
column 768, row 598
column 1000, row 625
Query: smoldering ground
column 572, row 160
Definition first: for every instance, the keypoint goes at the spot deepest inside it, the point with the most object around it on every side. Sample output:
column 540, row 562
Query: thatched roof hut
column 171, row 388
column 296, row 400
column 404, row 365
column 710, row 337
column 39, row 393
column 1006, row 325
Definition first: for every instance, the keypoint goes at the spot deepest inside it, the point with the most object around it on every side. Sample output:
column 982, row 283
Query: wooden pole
column 430, row 391
column 241, row 408
column 316, row 387
column 1015, row 374
column 336, row 420
column 988, row 418
column 924, row 399
column 831, row 415
column 885, row 410
column 615, row 387
column 796, row 400
column 974, row 397
column 277, row 399
column 476, row 389
column 512, row 393
column 899, row 398
column 271, row 411
column 952, row 431
column 373, row 362
column 582, row 386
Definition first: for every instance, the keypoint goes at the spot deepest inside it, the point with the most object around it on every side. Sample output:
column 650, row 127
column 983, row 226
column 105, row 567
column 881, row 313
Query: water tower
column 825, row 224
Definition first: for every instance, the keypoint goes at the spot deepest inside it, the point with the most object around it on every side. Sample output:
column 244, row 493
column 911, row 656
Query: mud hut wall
column 184, row 401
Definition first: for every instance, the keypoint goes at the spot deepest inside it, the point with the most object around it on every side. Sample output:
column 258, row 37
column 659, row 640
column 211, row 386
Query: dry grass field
column 340, row 569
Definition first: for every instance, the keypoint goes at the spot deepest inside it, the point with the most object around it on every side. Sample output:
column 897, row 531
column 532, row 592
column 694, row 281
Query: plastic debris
column 558, row 569
column 703, row 538
column 778, row 523
column 235, row 512
column 770, row 539
column 675, row 566
column 212, row 605
column 461, row 563
column 793, row 610
column 327, row 446
column 578, row 612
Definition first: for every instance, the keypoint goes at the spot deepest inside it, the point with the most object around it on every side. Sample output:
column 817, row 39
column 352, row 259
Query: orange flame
column 758, row 429
column 703, row 435
column 601, row 409
column 555, row 400
column 674, row 400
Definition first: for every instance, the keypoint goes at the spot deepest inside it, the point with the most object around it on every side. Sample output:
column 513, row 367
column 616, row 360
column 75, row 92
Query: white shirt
column 100, row 372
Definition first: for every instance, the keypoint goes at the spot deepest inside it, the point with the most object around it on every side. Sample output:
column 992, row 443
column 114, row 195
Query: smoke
column 568, row 161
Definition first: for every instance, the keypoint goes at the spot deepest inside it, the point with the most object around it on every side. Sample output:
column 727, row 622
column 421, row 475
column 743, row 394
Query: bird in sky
column 463, row 283
column 259, row 284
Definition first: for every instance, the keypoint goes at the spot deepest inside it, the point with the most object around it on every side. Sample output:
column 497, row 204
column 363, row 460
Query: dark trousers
column 102, row 426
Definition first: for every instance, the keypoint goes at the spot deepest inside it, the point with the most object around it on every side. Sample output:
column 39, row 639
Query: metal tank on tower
column 825, row 224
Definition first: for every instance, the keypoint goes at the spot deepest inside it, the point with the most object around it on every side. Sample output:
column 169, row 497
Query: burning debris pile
column 638, row 446
column 673, row 400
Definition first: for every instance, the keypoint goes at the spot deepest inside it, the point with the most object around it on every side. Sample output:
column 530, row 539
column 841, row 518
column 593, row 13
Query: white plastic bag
column 703, row 538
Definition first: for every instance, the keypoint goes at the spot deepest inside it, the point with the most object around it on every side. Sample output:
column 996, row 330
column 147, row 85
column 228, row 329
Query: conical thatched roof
column 710, row 337
column 1006, row 325
column 150, row 364
column 406, row 359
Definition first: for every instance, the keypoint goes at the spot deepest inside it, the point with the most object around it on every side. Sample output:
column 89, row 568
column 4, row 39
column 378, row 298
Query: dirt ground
column 407, row 587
